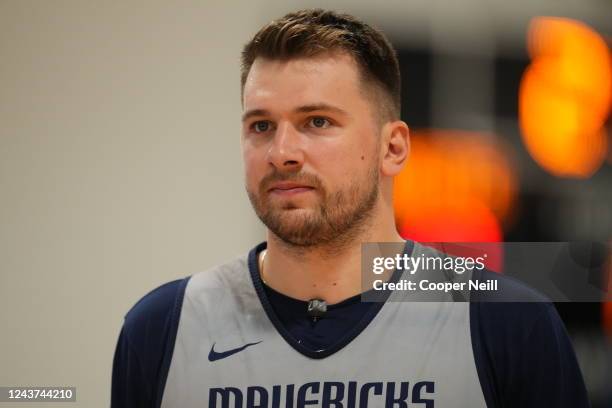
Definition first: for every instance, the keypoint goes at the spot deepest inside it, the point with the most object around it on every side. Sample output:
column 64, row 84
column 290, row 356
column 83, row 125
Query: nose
column 286, row 152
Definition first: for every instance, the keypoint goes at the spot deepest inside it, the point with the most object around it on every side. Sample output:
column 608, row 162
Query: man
column 284, row 325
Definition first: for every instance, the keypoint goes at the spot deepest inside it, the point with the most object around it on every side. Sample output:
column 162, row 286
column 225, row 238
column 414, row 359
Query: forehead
column 329, row 78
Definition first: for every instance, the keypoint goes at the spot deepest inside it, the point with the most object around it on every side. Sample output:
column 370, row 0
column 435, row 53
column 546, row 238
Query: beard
column 336, row 219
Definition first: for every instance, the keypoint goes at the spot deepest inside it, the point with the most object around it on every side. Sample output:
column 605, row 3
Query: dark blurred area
column 513, row 143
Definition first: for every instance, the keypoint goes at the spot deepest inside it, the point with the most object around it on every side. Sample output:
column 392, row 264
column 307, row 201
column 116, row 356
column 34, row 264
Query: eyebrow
column 301, row 109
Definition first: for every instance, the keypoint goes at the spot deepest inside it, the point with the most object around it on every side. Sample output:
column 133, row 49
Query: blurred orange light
column 565, row 97
column 457, row 186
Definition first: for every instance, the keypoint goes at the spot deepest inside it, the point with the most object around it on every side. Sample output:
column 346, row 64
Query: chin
column 292, row 216
column 294, row 220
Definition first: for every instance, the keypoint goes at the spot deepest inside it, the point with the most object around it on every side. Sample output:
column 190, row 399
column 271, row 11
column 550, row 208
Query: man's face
column 311, row 148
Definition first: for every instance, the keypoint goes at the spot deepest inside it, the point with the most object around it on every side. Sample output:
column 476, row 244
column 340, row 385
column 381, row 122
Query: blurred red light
column 457, row 186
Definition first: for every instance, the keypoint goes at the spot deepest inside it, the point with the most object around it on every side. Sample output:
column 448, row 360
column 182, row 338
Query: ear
column 395, row 147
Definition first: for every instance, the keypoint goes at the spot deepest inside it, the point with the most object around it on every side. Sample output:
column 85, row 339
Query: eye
column 319, row 122
column 261, row 126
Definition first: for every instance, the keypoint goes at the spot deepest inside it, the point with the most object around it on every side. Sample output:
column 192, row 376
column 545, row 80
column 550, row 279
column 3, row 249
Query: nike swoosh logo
column 214, row 356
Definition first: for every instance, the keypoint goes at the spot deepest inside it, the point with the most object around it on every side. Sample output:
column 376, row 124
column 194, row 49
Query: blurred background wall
column 120, row 164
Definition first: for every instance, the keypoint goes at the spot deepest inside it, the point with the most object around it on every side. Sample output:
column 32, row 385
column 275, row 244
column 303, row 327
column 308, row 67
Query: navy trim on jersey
column 145, row 346
column 170, row 341
column 369, row 315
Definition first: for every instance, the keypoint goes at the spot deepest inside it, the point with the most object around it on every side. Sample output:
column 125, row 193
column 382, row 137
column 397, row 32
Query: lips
column 289, row 188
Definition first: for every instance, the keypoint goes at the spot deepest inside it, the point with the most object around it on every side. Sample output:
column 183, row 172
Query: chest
column 229, row 353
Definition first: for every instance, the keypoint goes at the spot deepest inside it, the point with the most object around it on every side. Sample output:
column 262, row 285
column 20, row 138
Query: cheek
column 254, row 168
column 345, row 166
column 350, row 160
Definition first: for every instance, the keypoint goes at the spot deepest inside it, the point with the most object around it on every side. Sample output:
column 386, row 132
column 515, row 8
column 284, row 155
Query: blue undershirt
column 317, row 334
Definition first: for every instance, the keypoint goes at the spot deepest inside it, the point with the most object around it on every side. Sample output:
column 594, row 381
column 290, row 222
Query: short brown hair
column 307, row 33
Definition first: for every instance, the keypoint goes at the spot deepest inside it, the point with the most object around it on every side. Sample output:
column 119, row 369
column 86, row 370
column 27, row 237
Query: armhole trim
column 173, row 324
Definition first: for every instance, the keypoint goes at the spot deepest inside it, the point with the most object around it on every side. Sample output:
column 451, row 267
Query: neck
column 331, row 272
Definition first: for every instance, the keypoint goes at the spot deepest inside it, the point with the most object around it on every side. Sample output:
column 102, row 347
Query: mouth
column 288, row 189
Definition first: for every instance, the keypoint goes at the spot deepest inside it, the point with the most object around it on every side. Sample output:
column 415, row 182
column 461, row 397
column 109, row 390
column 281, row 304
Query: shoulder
column 145, row 345
column 508, row 317
column 523, row 345
column 512, row 304
column 159, row 311
column 503, row 322
column 155, row 309
column 227, row 275
column 160, row 308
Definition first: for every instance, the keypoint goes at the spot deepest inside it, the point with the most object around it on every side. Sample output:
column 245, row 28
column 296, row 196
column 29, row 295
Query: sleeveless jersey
column 214, row 340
